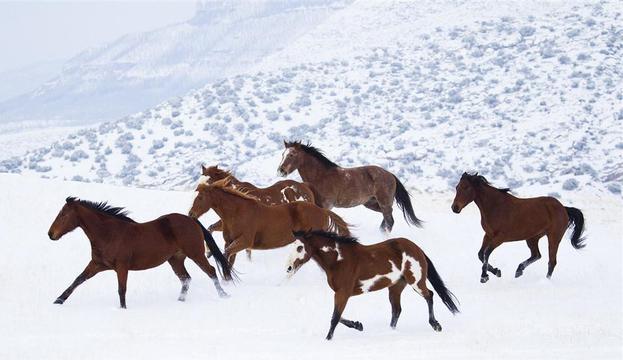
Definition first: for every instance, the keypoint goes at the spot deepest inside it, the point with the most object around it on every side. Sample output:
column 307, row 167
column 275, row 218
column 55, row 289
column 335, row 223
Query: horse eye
column 299, row 249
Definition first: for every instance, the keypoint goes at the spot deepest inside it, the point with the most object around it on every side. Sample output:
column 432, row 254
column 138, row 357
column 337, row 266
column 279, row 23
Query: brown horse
column 507, row 218
column 335, row 186
column 353, row 269
column 251, row 224
column 119, row 243
column 281, row 192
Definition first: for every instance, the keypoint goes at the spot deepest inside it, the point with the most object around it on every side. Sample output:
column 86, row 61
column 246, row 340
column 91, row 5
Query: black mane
column 118, row 212
column 313, row 151
column 477, row 180
column 329, row 235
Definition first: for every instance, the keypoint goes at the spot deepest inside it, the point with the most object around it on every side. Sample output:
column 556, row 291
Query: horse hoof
column 223, row 295
column 59, row 301
column 182, row 299
column 436, row 326
column 518, row 273
column 484, row 279
column 358, row 326
column 498, row 272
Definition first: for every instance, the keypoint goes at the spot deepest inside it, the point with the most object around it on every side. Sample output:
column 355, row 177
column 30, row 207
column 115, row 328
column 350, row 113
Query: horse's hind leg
column 177, row 263
column 373, row 205
column 535, row 255
column 553, row 239
column 419, row 285
column 394, row 299
column 204, row 265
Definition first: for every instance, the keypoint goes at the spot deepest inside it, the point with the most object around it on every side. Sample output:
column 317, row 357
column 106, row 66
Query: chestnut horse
column 353, row 269
column 281, row 192
column 508, row 218
column 335, row 186
column 251, row 224
column 119, row 243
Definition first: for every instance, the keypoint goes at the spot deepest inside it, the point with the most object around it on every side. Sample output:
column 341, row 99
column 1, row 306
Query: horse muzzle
column 456, row 209
column 52, row 236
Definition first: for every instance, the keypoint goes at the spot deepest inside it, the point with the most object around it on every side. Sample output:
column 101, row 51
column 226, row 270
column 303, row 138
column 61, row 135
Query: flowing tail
column 576, row 218
column 446, row 295
column 337, row 224
column 221, row 262
column 404, row 203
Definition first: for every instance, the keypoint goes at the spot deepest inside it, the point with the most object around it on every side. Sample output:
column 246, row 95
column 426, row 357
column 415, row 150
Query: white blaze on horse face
column 295, row 255
column 393, row 276
column 285, row 154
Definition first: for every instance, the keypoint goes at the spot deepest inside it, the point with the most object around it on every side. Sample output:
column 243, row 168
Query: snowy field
column 575, row 315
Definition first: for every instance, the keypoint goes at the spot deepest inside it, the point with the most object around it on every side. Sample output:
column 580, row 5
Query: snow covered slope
column 575, row 315
column 531, row 101
column 140, row 70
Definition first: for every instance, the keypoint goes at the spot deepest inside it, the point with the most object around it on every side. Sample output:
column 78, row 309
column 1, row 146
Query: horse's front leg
column 486, row 242
column 339, row 303
column 89, row 271
column 238, row 244
column 486, row 252
column 122, row 279
column 217, row 226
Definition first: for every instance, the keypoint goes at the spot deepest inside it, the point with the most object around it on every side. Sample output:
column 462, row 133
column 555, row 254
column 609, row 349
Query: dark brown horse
column 508, row 218
column 335, row 186
column 354, row 269
column 251, row 224
column 119, row 243
column 281, row 192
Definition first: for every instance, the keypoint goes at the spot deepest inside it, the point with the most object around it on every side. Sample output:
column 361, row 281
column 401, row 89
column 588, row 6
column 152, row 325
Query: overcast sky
column 40, row 31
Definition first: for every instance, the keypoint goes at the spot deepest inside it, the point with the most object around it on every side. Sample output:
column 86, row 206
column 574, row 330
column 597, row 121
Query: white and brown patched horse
column 335, row 186
column 354, row 269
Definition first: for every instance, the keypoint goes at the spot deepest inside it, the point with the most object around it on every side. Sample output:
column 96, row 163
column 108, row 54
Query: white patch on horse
column 204, row 179
column 283, row 194
column 295, row 255
column 415, row 269
column 339, row 253
column 393, row 276
column 284, row 155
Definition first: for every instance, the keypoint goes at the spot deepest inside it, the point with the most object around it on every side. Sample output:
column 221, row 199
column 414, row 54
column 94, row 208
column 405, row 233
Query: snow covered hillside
column 575, row 315
column 531, row 101
column 140, row 70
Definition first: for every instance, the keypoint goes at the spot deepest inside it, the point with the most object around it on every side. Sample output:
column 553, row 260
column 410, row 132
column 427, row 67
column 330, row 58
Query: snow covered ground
column 530, row 96
column 575, row 315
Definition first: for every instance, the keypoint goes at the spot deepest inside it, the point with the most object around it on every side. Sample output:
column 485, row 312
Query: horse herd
column 291, row 212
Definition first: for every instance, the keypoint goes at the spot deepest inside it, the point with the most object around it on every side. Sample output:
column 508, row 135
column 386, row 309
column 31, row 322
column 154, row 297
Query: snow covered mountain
column 529, row 96
column 139, row 71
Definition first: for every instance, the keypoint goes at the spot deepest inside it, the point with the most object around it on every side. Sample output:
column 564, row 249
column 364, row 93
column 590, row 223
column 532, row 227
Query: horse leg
column 89, row 271
column 177, row 264
column 481, row 256
column 204, row 265
column 419, row 285
column 217, row 226
column 386, row 203
column 535, row 255
column 239, row 244
column 339, row 303
column 373, row 205
column 485, row 262
column 352, row 324
column 248, row 251
column 122, row 279
column 394, row 299
column 553, row 239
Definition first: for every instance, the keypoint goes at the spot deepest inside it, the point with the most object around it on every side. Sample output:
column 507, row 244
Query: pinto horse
column 250, row 224
column 508, row 218
column 335, row 186
column 281, row 192
column 353, row 269
column 121, row 244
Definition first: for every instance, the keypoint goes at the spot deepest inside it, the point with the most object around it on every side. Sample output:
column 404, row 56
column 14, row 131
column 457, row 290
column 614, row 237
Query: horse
column 505, row 217
column 250, row 224
column 281, row 192
column 119, row 243
column 335, row 186
column 354, row 269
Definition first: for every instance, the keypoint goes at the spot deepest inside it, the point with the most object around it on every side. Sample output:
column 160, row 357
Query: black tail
column 446, row 295
column 404, row 203
column 576, row 218
column 221, row 262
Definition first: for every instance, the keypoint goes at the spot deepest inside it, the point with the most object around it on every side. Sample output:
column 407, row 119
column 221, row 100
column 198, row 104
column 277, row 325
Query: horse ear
column 285, row 143
column 204, row 169
column 70, row 199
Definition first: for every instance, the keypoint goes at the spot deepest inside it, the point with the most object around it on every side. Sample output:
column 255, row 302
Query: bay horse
column 505, row 217
column 250, row 224
column 281, row 192
column 119, row 243
column 335, row 186
column 354, row 269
